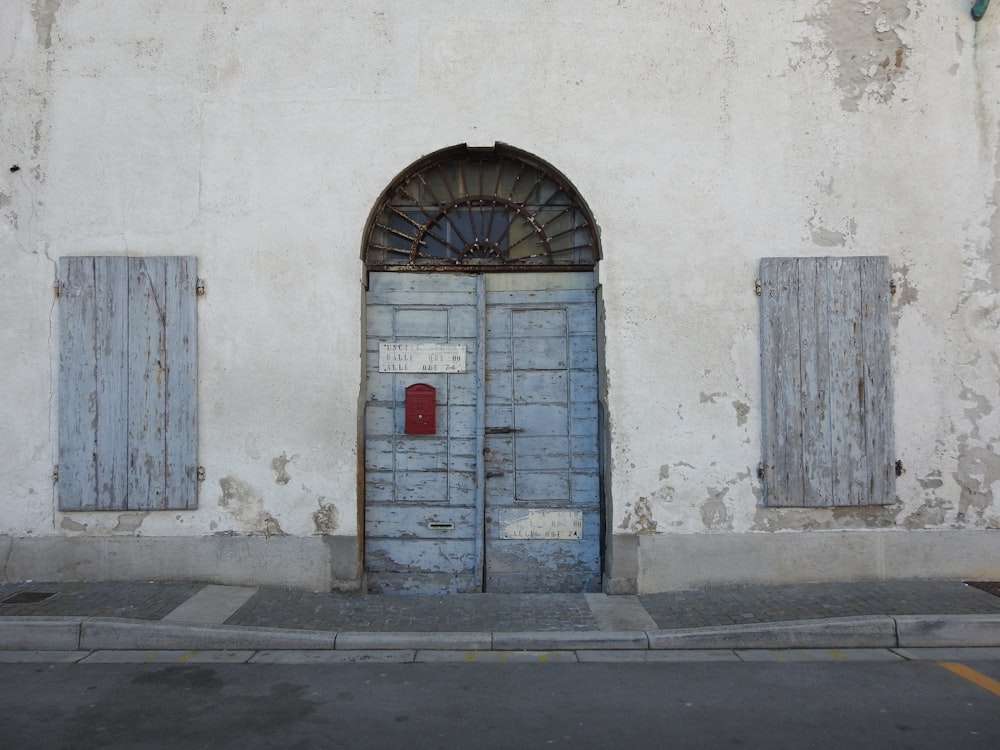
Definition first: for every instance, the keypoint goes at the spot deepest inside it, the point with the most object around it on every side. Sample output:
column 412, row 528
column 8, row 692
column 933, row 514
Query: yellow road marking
column 987, row 683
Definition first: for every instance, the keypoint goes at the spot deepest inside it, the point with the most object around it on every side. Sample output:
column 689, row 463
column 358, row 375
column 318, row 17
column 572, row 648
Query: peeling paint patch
column 866, row 516
column 826, row 519
column 906, row 293
column 45, row 18
column 935, row 509
column 280, row 467
column 325, row 519
column 714, row 513
column 825, row 237
column 70, row 525
column 742, row 411
column 870, row 53
column 129, row 523
column 980, row 408
column 932, row 513
column 246, row 505
column 932, row 481
column 828, row 238
column 978, row 470
column 639, row 519
column 709, row 398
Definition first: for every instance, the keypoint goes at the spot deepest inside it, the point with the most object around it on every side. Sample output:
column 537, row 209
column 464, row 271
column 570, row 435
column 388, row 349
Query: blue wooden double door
column 505, row 495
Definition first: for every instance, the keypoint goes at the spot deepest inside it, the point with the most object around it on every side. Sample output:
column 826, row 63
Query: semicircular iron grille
column 491, row 211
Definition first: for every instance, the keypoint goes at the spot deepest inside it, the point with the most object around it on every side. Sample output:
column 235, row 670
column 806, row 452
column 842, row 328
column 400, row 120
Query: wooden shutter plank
column 111, row 367
column 77, row 386
column 781, row 377
column 849, row 460
column 181, row 472
column 876, row 347
column 147, row 385
column 814, row 347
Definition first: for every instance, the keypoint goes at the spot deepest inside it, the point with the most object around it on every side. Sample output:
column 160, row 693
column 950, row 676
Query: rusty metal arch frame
column 477, row 210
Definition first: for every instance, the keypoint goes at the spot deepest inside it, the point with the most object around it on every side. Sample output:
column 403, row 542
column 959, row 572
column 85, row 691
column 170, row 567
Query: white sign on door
column 420, row 357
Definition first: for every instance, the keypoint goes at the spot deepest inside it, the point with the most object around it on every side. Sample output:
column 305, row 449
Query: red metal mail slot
column 421, row 406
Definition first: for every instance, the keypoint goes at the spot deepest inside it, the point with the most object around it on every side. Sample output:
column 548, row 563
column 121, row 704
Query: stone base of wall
column 635, row 564
column 672, row 562
column 320, row 563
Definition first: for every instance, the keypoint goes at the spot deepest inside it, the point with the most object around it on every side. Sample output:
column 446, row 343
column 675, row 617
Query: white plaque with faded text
column 533, row 523
column 407, row 356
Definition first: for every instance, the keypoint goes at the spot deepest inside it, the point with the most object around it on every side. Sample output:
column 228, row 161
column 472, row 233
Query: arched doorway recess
column 481, row 423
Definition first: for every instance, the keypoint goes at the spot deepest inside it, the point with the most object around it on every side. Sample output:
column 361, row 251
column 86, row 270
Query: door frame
column 547, row 208
column 479, row 562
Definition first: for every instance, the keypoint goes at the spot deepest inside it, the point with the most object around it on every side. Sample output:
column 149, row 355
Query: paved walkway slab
column 213, row 605
column 619, row 612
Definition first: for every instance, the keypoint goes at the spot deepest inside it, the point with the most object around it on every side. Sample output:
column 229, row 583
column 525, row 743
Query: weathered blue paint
column 826, row 373
column 518, row 429
column 414, row 481
column 127, row 383
column 542, row 387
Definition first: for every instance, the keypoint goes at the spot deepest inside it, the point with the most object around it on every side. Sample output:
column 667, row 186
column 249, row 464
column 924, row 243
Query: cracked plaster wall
column 703, row 137
column 875, row 126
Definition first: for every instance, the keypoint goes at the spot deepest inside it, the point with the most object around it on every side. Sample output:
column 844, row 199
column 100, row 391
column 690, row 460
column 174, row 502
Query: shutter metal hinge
column 199, row 288
column 55, row 288
column 757, row 288
column 55, row 474
column 760, row 470
column 892, row 287
column 900, row 469
column 201, row 473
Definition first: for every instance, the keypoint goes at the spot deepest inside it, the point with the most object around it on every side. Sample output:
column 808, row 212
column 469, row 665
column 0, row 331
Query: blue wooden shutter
column 827, row 381
column 127, row 383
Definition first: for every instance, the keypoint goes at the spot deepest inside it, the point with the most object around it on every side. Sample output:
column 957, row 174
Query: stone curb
column 571, row 641
column 109, row 634
column 25, row 633
column 40, row 633
column 876, row 631
column 433, row 641
column 937, row 631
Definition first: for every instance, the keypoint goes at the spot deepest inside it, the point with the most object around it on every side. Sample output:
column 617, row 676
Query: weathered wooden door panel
column 505, row 496
column 421, row 491
column 542, row 520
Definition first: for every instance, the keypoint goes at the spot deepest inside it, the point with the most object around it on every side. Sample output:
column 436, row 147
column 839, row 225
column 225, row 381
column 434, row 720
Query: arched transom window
column 481, row 209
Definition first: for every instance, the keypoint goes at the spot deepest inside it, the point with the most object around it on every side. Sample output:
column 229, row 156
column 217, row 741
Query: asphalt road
column 479, row 706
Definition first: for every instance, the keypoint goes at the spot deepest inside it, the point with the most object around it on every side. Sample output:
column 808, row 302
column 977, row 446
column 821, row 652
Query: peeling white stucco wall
column 257, row 136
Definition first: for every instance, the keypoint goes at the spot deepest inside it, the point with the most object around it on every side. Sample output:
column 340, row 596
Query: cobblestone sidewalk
column 710, row 606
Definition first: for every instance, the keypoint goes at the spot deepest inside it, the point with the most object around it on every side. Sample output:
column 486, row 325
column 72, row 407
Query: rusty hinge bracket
column 201, row 473
column 900, row 469
column 760, row 471
column 757, row 289
column 55, row 474
column 199, row 288
column 892, row 287
column 56, row 289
